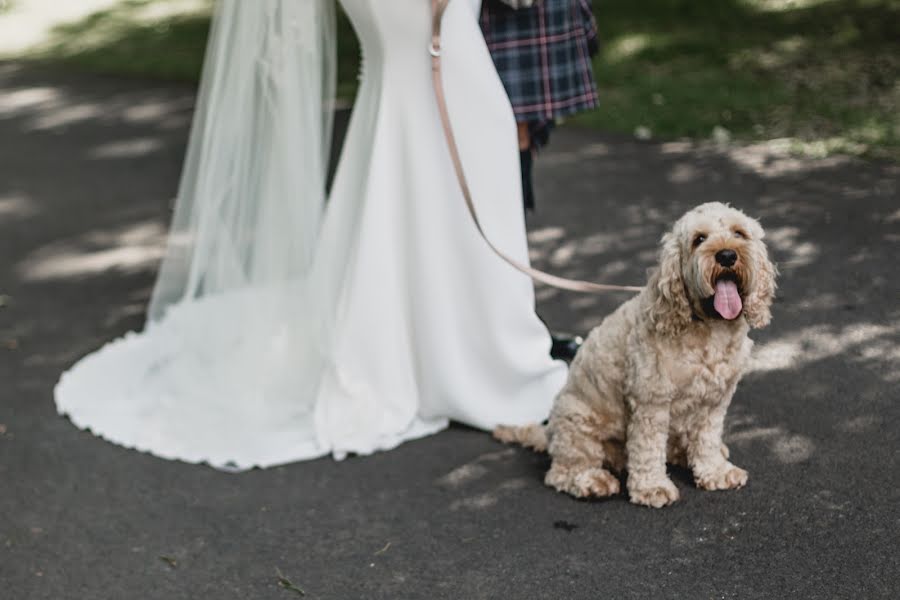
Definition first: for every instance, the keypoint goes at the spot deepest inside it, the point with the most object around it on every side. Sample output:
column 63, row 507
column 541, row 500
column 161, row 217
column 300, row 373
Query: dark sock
column 539, row 133
column 526, row 158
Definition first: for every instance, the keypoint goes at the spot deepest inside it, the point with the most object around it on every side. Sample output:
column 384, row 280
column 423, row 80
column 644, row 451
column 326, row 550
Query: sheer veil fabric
column 282, row 327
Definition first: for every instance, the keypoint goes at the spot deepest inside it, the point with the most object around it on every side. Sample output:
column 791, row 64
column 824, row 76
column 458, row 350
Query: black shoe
column 565, row 346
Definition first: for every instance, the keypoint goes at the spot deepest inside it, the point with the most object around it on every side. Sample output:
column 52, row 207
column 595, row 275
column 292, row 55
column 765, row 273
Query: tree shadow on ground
column 88, row 169
column 829, row 221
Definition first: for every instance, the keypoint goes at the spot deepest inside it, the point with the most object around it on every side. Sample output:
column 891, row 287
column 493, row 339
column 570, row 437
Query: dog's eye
column 701, row 237
column 739, row 234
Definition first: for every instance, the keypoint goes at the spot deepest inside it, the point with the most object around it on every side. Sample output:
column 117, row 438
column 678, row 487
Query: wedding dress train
column 283, row 328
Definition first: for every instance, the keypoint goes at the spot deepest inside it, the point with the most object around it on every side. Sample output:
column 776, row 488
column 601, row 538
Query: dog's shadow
column 539, row 464
column 481, row 483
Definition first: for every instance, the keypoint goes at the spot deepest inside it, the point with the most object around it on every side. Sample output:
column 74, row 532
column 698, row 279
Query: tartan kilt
column 543, row 56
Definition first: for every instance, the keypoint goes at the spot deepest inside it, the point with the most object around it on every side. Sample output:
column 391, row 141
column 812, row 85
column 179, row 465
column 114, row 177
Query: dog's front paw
column 729, row 477
column 656, row 494
column 583, row 483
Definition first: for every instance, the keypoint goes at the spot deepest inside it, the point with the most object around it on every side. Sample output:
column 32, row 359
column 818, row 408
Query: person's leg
column 532, row 136
column 524, row 135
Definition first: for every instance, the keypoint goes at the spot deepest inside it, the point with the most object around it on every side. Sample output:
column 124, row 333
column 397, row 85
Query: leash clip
column 434, row 51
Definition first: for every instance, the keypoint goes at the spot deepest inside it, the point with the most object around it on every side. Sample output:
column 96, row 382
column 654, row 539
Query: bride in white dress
column 284, row 327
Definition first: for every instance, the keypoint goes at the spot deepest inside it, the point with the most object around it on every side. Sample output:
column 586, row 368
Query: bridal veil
column 253, row 186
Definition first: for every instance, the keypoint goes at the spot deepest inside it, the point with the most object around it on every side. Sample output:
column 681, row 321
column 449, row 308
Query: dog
column 652, row 383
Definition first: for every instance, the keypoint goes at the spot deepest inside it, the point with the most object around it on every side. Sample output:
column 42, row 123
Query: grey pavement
column 88, row 167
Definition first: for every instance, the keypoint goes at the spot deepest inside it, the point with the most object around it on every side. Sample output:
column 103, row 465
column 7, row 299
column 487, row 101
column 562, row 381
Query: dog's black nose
column 726, row 257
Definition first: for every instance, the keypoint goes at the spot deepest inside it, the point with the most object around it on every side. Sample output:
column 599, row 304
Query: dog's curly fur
column 653, row 381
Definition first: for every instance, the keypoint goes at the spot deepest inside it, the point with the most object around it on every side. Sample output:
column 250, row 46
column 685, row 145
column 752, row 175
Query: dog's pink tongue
column 727, row 300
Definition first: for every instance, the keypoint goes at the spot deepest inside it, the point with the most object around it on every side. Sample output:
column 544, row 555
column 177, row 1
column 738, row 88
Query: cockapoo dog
column 653, row 381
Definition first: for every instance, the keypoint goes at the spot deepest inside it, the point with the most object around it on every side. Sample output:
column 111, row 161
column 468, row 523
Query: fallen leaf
column 287, row 583
column 383, row 550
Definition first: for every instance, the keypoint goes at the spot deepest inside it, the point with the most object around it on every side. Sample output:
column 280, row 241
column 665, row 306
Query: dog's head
column 713, row 265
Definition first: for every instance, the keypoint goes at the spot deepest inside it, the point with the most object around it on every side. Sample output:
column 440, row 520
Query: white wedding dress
column 283, row 327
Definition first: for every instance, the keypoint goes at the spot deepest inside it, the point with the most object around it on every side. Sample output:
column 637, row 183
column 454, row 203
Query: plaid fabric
column 543, row 56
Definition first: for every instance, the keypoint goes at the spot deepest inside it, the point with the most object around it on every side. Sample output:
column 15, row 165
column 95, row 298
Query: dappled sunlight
column 44, row 108
column 126, row 312
column 470, row 474
column 786, row 242
column 168, row 114
column 27, row 24
column 123, row 15
column 62, row 115
column 164, row 113
column 894, row 217
column 485, row 500
column 158, row 10
column 12, row 103
column 770, row 159
column 562, row 254
column 682, row 147
column 547, row 234
column 591, row 151
column 595, row 149
column 683, row 173
column 143, row 37
column 785, row 446
column 627, row 46
column 871, row 345
column 16, row 206
column 781, row 5
column 474, row 469
column 779, row 55
column 792, row 448
column 126, row 148
column 860, row 425
column 560, row 251
column 551, row 248
column 130, row 249
column 779, row 157
column 476, row 502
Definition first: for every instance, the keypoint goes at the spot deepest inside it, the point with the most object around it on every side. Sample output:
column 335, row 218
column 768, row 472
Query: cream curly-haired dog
column 653, row 381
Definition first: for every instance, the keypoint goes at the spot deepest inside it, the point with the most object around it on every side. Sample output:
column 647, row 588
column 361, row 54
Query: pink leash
column 438, row 8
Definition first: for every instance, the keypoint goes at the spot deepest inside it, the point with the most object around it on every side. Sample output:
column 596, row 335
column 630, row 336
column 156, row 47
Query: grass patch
column 823, row 73
column 164, row 39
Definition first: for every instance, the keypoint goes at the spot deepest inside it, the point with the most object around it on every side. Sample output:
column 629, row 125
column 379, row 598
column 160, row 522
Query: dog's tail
column 532, row 436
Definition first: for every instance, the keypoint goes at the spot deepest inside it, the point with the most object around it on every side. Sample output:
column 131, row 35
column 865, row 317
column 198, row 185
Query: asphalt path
column 88, row 168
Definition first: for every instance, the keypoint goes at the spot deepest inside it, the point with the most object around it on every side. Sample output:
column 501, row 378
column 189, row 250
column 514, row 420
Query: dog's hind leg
column 579, row 452
column 532, row 436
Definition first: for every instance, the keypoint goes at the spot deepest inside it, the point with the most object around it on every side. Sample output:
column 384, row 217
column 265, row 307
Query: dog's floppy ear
column 762, row 290
column 670, row 310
